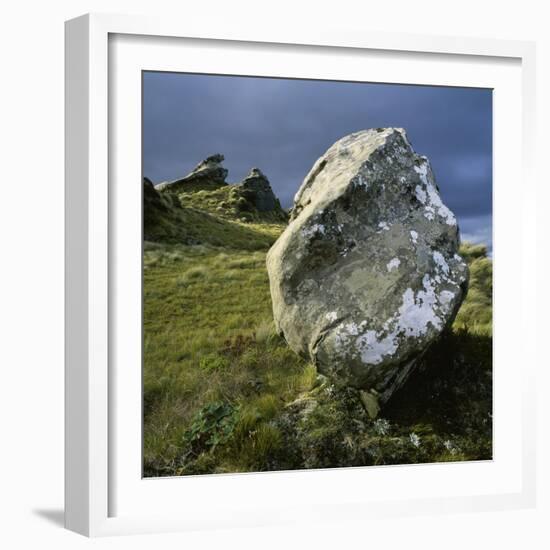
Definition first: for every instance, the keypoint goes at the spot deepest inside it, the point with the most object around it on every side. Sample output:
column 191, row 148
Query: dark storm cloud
column 283, row 126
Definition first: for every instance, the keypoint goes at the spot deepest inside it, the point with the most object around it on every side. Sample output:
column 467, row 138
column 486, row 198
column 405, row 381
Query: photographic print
column 317, row 274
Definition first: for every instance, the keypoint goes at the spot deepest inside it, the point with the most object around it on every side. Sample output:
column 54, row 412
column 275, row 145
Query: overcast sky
column 283, row 126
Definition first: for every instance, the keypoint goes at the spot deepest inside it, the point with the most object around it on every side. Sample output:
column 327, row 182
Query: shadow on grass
column 442, row 414
column 451, row 390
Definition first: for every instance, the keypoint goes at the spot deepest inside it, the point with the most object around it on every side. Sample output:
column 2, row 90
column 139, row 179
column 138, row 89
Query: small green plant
column 213, row 425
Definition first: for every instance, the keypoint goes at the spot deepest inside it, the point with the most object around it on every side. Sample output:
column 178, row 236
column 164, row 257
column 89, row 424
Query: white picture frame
column 103, row 55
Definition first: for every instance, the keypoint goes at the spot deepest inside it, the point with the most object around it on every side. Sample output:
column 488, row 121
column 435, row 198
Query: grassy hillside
column 215, row 373
column 170, row 220
column 223, row 393
column 230, row 202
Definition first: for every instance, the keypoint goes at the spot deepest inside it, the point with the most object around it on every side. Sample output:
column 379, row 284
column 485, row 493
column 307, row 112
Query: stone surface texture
column 367, row 275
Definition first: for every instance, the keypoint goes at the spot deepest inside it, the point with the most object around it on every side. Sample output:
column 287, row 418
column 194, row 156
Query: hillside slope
column 224, row 393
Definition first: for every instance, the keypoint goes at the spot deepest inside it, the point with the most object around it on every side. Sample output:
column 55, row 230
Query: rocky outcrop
column 366, row 276
column 162, row 214
column 206, row 189
column 208, row 174
column 257, row 190
column 156, row 204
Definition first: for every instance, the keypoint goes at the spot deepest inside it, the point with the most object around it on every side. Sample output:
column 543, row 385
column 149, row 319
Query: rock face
column 207, row 174
column 257, row 190
column 366, row 276
column 163, row 216
column 155, row 204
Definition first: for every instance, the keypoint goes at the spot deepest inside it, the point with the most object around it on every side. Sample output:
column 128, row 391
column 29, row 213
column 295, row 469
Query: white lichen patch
column 344, row 332
column 361, row 181
column 331, row 316
column 422, row 171
column 315, row 229
column 373, row 349
column 430, row 196
column 418, row 311
column 442, row 210
column 384, row 226
column 446, row 297
column 412, row 320
column 429, row 215
column 393, row 264
column 421, row 195
column 440, row 262
column 353, row 329
column 414, row 237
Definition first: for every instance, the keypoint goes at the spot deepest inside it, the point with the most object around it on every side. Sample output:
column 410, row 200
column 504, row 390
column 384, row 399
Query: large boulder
column 366, row 275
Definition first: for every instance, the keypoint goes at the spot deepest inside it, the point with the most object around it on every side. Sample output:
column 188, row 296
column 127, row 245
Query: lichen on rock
column 366, row 275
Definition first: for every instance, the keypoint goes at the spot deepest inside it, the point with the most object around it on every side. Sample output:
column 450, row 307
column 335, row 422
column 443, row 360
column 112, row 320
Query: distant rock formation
column 257, row 189
column 252, row 199
column 208, row 174
column 366, row 276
